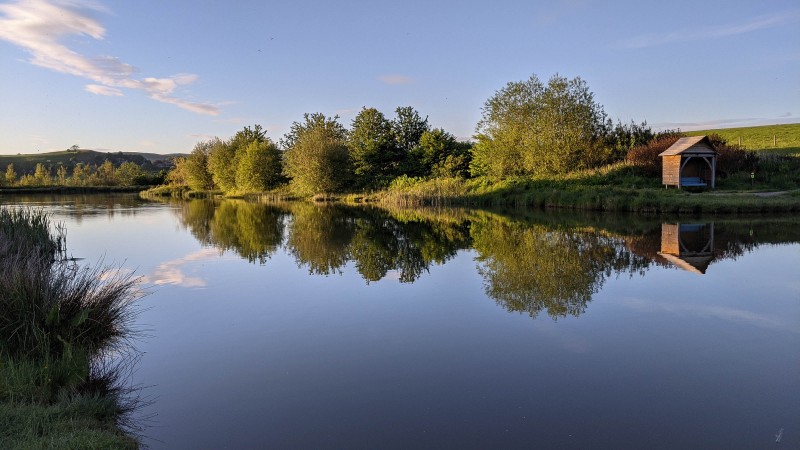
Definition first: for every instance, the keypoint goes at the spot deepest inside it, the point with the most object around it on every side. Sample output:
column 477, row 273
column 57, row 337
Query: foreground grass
column 60, row 324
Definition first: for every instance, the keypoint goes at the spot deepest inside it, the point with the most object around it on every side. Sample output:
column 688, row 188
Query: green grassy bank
column 779, row 139
column 63, row 343
column 615, row 188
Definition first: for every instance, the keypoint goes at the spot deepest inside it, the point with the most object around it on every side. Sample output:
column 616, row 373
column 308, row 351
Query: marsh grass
column 65, row 332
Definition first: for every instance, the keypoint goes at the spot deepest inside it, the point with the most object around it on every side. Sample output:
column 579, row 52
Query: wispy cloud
column 40, row 26
column 713, row 32
column 396, row 79
column 103, row 90
column 171, row 272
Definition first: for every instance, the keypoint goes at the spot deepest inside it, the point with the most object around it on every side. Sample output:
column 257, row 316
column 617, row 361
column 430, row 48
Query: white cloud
column 396, row 79
column 712, row 32
column 39, row 26
column 171, row 272
column 103, row 90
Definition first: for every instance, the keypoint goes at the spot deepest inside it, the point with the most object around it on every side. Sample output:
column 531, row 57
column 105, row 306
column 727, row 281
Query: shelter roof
column 691, row 144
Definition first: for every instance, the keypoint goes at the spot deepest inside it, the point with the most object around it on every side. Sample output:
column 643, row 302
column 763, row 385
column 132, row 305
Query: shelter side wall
column 671, row 171
column 669, row 238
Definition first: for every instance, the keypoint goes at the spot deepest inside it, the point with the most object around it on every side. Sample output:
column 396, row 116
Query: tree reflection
column 532, row 263
column 252, row 230
column 531, row 268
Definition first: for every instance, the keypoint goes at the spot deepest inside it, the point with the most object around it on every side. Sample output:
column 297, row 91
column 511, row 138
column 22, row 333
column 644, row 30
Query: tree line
column 527, row 128
column 82, row 174
column 320, row 155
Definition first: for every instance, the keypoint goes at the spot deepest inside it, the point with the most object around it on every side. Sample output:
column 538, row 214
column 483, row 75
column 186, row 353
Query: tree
column 439, row 154
column 528, row 128
column 61, row 174
column 105, row 175
column 259, row 166
column 316, row 156
column 376, row 159
column 195, row 167
column 408, row 128
column 129, row 174
column 222, row 162
column 80, row 174
column 11, row 175
column 41, row 175
column 177, row 175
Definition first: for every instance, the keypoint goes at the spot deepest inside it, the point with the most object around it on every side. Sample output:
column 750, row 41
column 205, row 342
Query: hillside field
column 783, row 139
column 26, row 163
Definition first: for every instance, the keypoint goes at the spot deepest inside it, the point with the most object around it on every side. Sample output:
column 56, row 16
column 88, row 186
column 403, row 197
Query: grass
column 778, row 139
column 613, row 188
column 60, row 324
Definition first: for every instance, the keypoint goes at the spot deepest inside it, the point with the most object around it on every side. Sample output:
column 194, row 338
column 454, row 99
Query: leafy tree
column 439, row 154
column 376, row 159
column 61, row 175
column 11, row 175
column 105, row 174
column 222, row 163
column 41, row 175
column 80, row 175
column 129, row 174
column 408, row 128
column 259, row 166
column 316, row 157
column 195, row 167
column 529, row 128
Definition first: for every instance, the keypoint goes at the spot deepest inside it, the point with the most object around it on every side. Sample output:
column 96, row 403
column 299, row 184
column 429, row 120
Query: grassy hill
column 782, row 139
column 26, row 163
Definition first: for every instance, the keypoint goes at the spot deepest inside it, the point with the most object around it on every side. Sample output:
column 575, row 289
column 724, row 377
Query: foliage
column 440, row 155
column 317, row 159
column 259, row 166
column 645, row 156
column 222, row 163
column 375, row 155
column 196, row 171
column 408, row 128
column 529, row 128
column 11, row 175
column 130, row 174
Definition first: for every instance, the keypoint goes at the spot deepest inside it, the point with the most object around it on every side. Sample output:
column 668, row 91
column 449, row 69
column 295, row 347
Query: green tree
column 129, row 174
column 195, row 167
column 41, row 175
column 61, row 175
column 439, row 154
column 376, row 157
column 222, row 162
column 177, row 175
column 259, row 166
column 316, row 156
column 408, row 127
column 80, row 175
column 105, row 174
column 535, row 129
column 11, row 175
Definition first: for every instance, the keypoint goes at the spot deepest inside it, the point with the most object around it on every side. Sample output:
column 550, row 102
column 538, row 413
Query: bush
column 645, row 157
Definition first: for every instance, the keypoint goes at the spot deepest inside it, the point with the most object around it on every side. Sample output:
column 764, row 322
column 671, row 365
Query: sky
column 160, row 76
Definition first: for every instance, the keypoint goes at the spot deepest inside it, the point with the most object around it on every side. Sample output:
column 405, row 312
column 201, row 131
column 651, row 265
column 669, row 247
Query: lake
column 321, row 326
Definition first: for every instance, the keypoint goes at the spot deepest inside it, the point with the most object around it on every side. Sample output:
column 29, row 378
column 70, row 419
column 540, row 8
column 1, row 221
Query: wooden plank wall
column 671, row 172
column 669, row 238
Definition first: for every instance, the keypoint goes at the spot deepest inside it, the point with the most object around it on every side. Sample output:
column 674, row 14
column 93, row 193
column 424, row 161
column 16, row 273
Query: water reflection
column 689, row 246
column 529, row 264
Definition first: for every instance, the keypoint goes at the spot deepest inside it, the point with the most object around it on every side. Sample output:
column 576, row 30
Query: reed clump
column 64, row 341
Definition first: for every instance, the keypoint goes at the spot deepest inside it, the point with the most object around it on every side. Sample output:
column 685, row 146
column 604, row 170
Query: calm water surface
column 302, row 326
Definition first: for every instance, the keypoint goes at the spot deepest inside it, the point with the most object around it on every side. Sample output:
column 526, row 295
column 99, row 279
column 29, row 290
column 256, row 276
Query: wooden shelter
column 689, row 246
column 690, row 162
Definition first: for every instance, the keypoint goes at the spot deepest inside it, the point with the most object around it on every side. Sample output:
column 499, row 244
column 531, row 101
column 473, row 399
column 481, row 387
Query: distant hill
column 784, row 139
column 150, row 162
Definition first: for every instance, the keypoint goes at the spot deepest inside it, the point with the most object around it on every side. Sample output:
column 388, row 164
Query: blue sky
column 158, row 76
